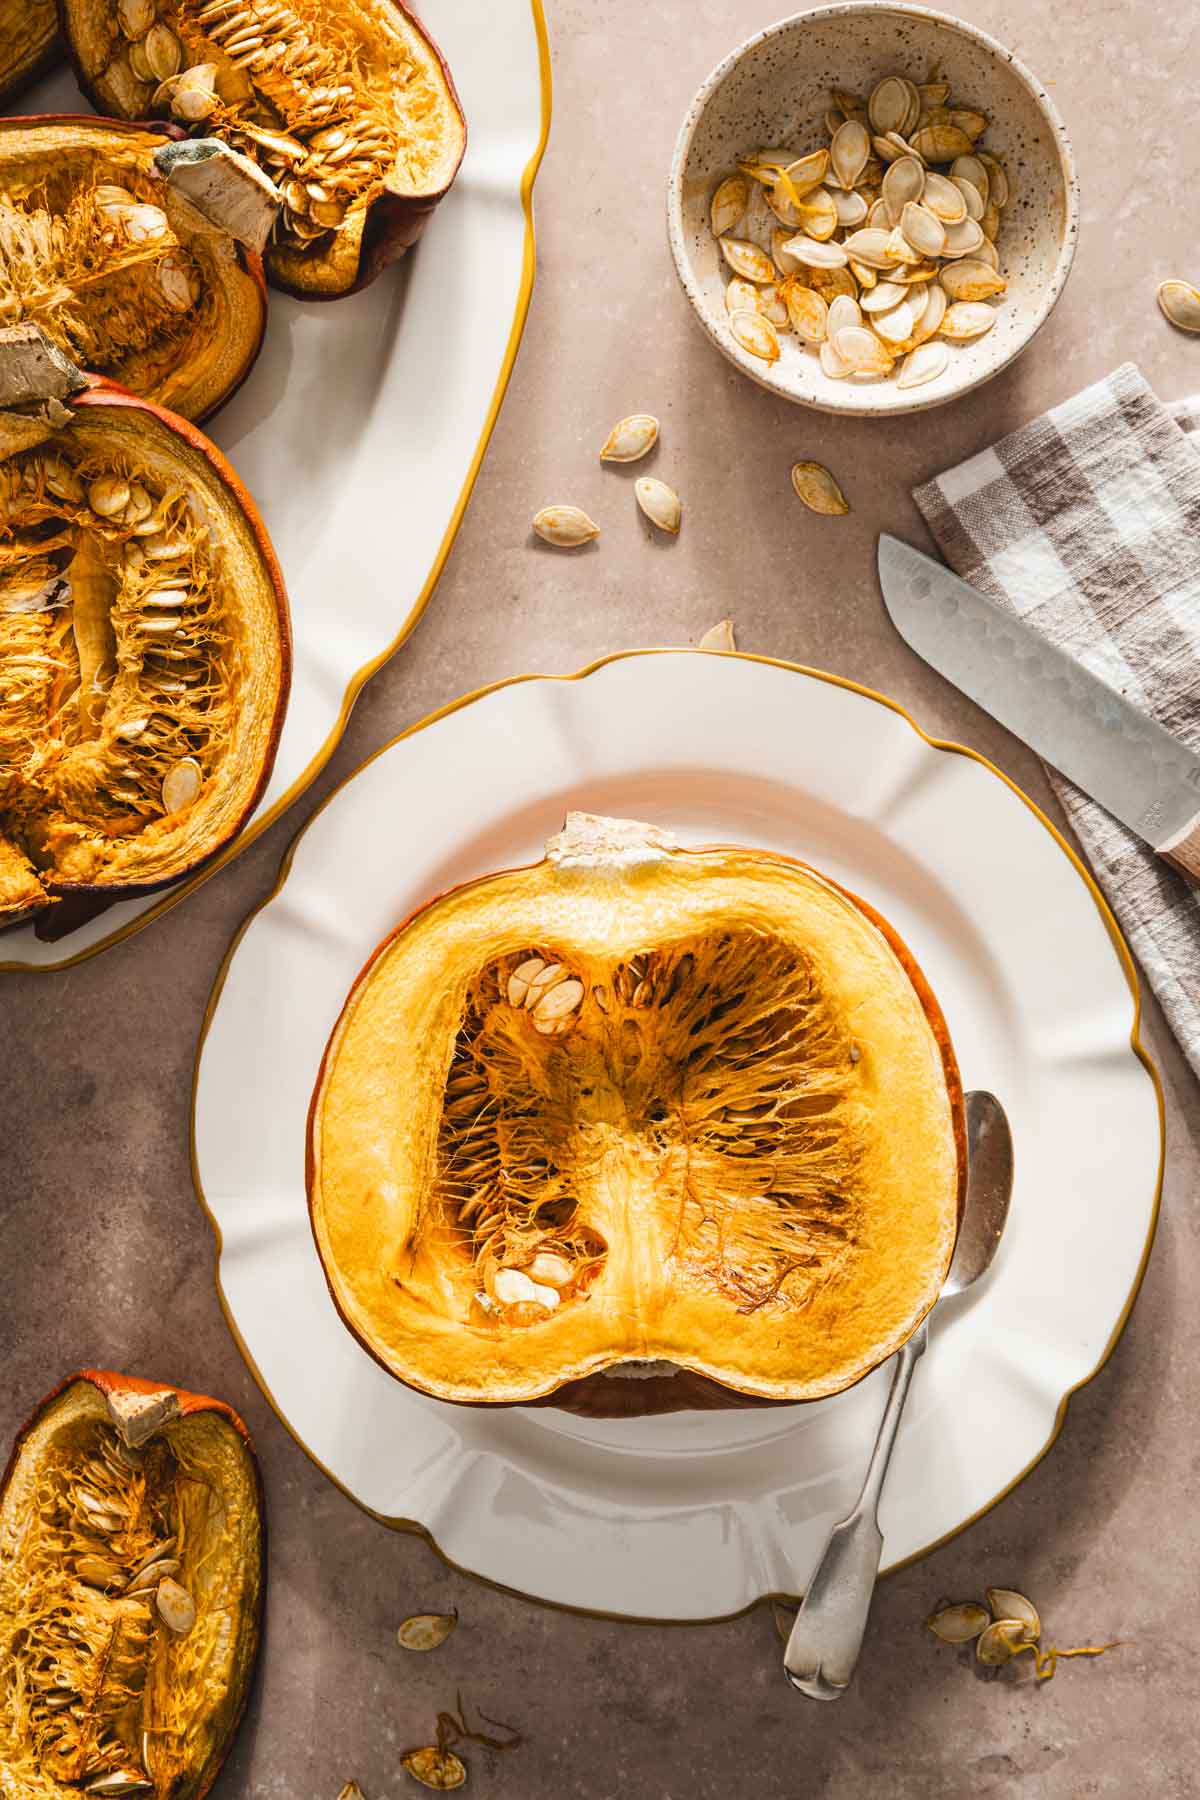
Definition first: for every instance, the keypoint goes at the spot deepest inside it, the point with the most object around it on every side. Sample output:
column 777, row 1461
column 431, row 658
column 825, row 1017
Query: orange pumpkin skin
column 600, row 1390
column 65, row 903
column 171, row 1407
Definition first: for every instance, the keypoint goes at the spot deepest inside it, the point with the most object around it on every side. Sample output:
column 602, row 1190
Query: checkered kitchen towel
column 1086, row 522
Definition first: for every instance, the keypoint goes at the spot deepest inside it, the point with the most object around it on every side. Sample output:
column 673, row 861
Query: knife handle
column 1182, row 850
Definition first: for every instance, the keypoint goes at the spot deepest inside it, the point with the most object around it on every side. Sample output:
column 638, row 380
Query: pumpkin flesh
column 94, row 1683
column 346, row 104
column 144, row 654
column 28, row 42
column 732, row 1144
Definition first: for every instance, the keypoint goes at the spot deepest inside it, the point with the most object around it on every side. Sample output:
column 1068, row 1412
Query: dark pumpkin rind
column 34, row 63
column 86, row 900
column 108, row 1381
column 605, row 1395
column 394, row 221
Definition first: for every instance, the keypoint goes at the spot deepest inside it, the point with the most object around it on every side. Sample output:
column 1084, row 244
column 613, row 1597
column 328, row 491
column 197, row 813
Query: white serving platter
column 696, row 1515
column 364, row 421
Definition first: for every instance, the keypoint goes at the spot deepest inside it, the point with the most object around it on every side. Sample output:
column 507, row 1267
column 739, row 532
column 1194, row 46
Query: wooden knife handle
column 1182, row 850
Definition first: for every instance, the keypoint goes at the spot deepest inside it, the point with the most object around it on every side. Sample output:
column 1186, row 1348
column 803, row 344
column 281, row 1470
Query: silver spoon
column 826, row 1638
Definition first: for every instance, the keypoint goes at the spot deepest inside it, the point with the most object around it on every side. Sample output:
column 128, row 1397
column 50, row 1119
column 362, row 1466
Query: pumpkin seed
column 135, row 17
column 958, row 1624
column 118, row 1782
column 630, row 438
column 808, row 172
column 843, row 311
column 785, row 262
column 967, row 319
column 899, row 250
column 971, row 124
column 850, row 207
column 999, row 187
column 922, row 230
column 554, row 1009
column 1006, row 1603
column 565, row 526
column 925, row 362
column 175, row 1605
column 754, row 333
column 729, row 204
column 351, row 1791
column 968, row 279
column 971, row 168
column 833, row 363
column 808, row 314
column 944, row 198
column 181, row 784
column 747, row 259
column 741, row 295
column 870, row 246
column 866, row 278
column 990, row 221
column 771, row 305
column 933, row 93
column 547, row 1266
column 1001, row 1641
column 108, row 495
column 894, row 326
column 819, row 215
column 1180, row 303
column 849, row 151
column 941, row 143
column 435, row 1768
column 987, row 253
column 858, row 345
column 660, row 503
column 904, row 182
column 176, row 284
column 163, row 51
column 883, row 297
column 888, row 105
column 425, row 1631
column 818, row 490
column 962, row 239
column 815, row 254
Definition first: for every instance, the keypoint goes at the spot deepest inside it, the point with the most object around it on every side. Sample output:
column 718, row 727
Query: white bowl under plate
column 774, row 90
column 696, row 1515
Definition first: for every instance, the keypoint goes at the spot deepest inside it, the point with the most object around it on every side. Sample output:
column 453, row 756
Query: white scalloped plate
column 363, row 423
column 698, row 1514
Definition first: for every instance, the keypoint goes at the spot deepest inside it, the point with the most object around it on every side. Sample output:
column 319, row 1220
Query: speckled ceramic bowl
column 775, row 89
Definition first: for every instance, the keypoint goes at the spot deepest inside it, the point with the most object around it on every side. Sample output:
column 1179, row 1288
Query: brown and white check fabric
column 1086, row 523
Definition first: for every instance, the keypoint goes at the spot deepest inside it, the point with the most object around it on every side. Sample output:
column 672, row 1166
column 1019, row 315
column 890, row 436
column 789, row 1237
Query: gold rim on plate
column 1124, row 958
column 262, row 822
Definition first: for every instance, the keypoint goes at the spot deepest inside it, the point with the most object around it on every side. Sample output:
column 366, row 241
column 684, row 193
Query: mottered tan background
column 106, row 1257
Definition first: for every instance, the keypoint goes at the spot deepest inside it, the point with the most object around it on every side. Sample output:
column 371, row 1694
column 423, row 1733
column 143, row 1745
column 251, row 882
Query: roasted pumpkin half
column 131, row 1579
column 137, row 257
column 637, row 1105
column 144, row 642
column 347, row 104
column 28, row 42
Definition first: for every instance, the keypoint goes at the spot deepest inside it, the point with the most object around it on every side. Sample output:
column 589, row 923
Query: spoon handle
column 826, row 1638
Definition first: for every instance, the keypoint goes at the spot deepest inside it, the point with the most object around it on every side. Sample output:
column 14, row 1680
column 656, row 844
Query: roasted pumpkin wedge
column 144, row 642
column 131, row 1580
column 347, row 104
column 637, row 1105
column 136, row 255
column 28, row 42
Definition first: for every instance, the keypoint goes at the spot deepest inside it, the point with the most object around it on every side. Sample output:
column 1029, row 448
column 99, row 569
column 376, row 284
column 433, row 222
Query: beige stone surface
column 105, row 1256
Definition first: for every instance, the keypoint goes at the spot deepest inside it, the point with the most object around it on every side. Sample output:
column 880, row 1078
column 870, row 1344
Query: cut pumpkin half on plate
column 145, row 648
column 686, row 1115
column 346, row 104
column 136, row 255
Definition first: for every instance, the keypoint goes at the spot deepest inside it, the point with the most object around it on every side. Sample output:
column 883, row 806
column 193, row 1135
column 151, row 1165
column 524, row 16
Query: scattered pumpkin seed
column 565, row 526
column 818, row 490
column 425, row 1631
column 351, row 1791
column 1180, row 303
column 660, row 503
column 717, row 637
column 967, row 319
column 729, row 204
column 754, row 332
column 434, row 1768
column 969, row 279
column 959, row 1624
column 630, row 438
column 807, row 313
column 741, row 296
column 747, row 259
column 1006, row 1603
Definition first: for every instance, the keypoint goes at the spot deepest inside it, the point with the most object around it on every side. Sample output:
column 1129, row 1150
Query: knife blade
column 1117, row 754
